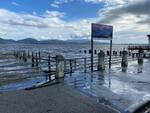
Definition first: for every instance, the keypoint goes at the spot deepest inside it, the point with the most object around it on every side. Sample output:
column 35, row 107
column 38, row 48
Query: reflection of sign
column 100, row 31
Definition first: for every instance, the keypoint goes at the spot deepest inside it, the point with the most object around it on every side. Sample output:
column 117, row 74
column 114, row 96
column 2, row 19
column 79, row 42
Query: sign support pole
column 91, row 54
column 110, row 55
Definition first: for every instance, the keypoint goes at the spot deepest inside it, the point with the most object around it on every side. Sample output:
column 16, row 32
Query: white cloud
column 14, row 3
column 130, row 21
column 54, row 5
column 57, row 3
column 49, row 26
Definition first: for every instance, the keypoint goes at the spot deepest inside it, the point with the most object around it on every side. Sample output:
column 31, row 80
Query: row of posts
column 101, row 62
column 114, row 53
column 24, row 56
column 60, row 61
column 35, row 59
column 124, row 62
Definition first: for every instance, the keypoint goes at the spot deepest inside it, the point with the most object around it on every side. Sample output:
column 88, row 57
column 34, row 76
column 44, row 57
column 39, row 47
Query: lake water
column 121, row 90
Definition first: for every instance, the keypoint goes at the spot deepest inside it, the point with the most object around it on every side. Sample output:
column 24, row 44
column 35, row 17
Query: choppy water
column 68, row 50
column 122, row 90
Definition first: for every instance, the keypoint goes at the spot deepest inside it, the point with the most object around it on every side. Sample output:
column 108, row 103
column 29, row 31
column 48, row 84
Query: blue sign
column 100, row 31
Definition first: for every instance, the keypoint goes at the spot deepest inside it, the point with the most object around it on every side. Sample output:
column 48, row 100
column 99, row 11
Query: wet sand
column 57, row 98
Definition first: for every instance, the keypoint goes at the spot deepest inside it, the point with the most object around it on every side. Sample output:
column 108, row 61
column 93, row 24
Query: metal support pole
column 110, row 55
column 91, row 54
column 49, row 63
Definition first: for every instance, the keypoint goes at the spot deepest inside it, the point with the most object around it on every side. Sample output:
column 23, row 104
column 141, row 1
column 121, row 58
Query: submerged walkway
column 57, row 98
column 123, row 90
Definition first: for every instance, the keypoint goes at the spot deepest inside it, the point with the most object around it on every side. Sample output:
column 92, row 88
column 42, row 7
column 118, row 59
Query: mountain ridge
column 48, row 41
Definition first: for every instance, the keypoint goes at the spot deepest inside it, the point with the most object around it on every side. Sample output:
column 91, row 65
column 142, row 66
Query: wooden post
column 95, row 51
column 36, row 60
column 85, row 64
column 39, row 56
column 28, row 54
column 32, row 59
column 71, row 67
column 14, row 53
column 24, row 56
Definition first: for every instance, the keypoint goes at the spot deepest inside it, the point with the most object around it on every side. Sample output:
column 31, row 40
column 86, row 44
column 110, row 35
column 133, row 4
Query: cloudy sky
column 71, row 19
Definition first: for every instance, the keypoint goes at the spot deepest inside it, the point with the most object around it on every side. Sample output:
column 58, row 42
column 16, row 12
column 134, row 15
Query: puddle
column 23, row 84
column 121, row 90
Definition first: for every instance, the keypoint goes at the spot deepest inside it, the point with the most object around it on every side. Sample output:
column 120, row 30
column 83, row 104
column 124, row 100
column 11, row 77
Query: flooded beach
column 122, row 90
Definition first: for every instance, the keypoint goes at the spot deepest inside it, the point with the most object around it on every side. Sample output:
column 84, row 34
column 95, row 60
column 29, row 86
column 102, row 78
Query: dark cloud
column 141, row 8
column 144, row 21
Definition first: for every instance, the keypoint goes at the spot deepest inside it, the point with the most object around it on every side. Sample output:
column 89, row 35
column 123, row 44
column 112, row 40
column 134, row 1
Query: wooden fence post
column 32, row 59
column 85, row 64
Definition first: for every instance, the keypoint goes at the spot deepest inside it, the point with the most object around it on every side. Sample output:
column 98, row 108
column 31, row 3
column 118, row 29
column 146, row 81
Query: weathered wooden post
column 89, row 51
column 36, row 59
column 137, row 54
column 28, row 54
column 101, row 62
column 140, row 57
column 132, row 55
column 20, row 55
column 116, row 53
column 85, row 64
column 71, row 66
column 32, row 59
column 120, row 53
column 24, row 56
column 95, row 51
column 108, row 53
column 39, row 53
column 124, row 62
column 14, row 53
column 129, row 53
column 59, row 66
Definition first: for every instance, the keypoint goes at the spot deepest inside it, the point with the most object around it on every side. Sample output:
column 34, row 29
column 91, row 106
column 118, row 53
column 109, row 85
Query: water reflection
column 101, row 78
column 124, row 69
column 140, row 68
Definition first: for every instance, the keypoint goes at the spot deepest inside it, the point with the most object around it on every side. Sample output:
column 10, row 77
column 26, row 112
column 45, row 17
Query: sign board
column 100, row 31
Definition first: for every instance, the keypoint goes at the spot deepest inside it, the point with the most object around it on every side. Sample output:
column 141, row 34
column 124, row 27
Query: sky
column 71, row 19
